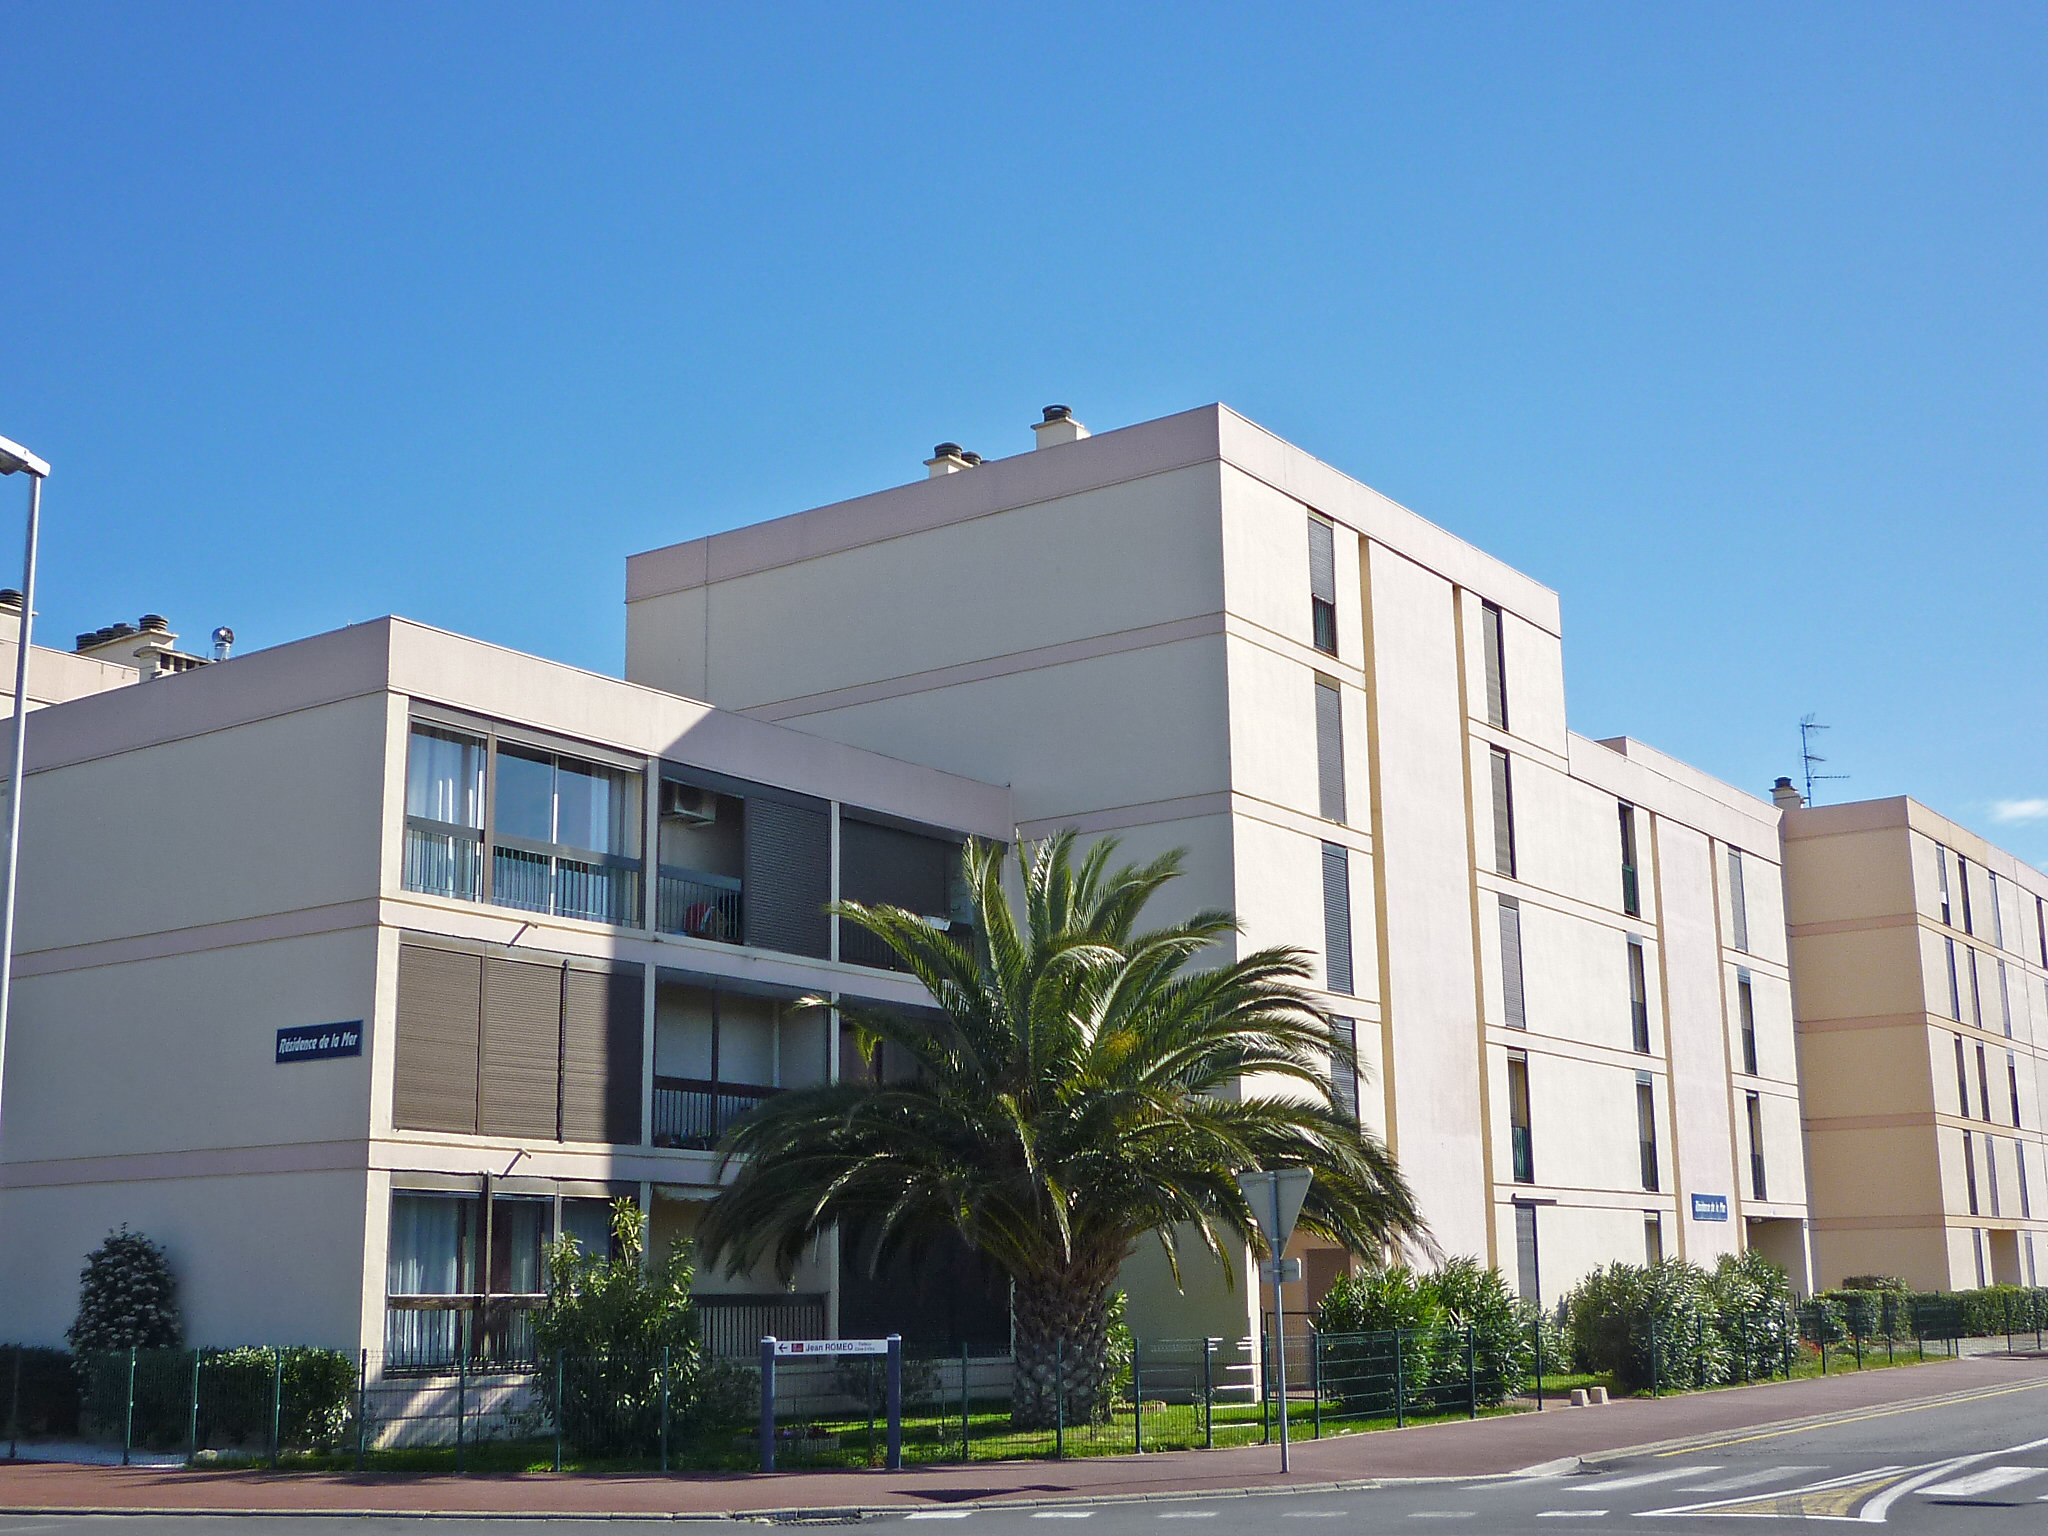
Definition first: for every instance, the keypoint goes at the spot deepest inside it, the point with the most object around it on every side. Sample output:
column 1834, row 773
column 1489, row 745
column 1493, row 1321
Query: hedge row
column 1877, row 1307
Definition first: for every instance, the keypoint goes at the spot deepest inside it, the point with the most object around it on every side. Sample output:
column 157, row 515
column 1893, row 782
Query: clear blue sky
column 1726, row 321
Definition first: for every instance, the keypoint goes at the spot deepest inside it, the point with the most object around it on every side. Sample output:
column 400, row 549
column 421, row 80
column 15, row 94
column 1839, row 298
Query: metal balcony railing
column 733, row 1326
column 442, row 859
column 703, row 906
column 691, row 1112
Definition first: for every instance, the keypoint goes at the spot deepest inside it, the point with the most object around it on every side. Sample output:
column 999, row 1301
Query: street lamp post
column 15, row 459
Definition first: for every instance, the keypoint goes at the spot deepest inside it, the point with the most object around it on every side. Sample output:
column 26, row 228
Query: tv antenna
column 1808, row 724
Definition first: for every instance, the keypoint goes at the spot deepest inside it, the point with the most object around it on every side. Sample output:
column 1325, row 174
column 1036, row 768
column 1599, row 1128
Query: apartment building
column 1563, row 960
column 355, row 969
column 1920, row 953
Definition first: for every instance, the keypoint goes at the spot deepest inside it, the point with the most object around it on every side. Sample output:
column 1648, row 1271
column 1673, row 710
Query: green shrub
column 127, row 1297
column 1623, row 1315
column 1503, row 1347
column 1357, row 1367
column 49, row 1400
column 1753, row 1314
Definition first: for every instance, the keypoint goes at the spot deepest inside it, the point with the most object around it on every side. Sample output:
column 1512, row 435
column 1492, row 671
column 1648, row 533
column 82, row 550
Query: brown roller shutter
column 788, row 877
column 440, row 997
column 601, row 1037
column 521, row 1049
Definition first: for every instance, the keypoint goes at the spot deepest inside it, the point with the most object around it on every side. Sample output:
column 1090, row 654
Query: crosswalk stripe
column 1569, row 1514
column 1640, row 1480
column 937, row 1514
column 1990, row 1480
column 1746, row 1479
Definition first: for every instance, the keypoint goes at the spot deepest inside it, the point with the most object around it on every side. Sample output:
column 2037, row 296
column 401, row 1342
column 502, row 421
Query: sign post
column 773, row 1349
column 1275, row 1196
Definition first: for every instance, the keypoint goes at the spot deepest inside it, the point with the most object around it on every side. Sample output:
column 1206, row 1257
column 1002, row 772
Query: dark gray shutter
column 1496, row 674
column 602, row 1028
column 1512, row 1005
column 1344, row 1074
column 1337, row 918
column 1526, row 1267
column 1330, row 750
column 889, row 865
column 1503, row 815
column 1322, row 561
column 518, row 1084
column 788, row 877
column 434, row 1079
column 1738, row 903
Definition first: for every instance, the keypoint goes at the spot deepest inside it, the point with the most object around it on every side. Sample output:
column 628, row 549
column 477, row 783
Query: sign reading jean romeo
column 317, row 1042
column 1709, row 1207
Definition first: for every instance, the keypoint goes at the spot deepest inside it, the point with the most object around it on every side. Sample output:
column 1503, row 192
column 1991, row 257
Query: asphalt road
column 1978, row 1466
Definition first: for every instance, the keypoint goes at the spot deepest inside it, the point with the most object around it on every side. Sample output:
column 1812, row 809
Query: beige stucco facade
column 1923, row 1044
column 1130, row 631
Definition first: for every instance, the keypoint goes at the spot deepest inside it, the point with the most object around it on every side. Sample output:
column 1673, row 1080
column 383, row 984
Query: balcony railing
column 1523, row 1148
column 442, row 859
column 431, row 1333
column 690, row 1112
column 597, row 887
column 703, row 906
column 859, row 947
column 733, row 1326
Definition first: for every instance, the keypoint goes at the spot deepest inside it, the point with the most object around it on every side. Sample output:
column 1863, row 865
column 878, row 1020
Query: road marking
column 1747, row 1479
column 1990, row 1480
column 1569, row 1514
column 937, row 1514
column 1313, row 1514
column 1441, row 1514
column 1187, row 1514
column 1061, row 1514
column 1640, row 1480
column 1829, row 1499
column 1838, row 1420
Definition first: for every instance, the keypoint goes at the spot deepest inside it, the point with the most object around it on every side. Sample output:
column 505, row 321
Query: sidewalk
column 1458, row 1449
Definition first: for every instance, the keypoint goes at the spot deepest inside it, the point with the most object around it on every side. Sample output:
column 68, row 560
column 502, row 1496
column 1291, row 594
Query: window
column 1322, row 584
column 431, row 1253
column 462, row 1275
column 882, row 865
column 1653, row 1238
column 1977, row 1242
column 2012, row 1084
column 2041, row 927
column 1646, row 1127
column 1970, row 1171
column 1991, row 1170
column 2005, row 999
column 1638, row 998
column 566, row 836
column 1493, row 638
column 1757, row 1186
column 1976, row 990
column 1329, row 750
column 2019, row 1151
column 1941, row 883
column 1955, row 989
column 1514, row 1006
column 1520, row 1144
column 444, row 813
column 1962, row 1080
column 1738, row 902
column 1344, row 1068
column 1745, row 1006
column 1997, row 912
column 1503, row 815
column 1631, row 891
column 1963, row 884
column 1528, row 1264
column 1983, row 1085
column 1337, row 918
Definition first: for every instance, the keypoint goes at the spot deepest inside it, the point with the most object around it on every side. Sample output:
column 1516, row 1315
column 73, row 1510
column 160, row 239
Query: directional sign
column 1275, row 1198
column 831, row 1346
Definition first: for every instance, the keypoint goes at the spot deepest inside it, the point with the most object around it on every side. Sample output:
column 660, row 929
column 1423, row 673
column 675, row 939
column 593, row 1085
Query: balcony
column 693, row 1113
column 700, row 905
column 442, row 859
column 534, row 877
column 733, row 1326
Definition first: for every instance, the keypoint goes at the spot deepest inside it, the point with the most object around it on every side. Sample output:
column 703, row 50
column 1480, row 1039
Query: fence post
column 14, row 1405
column 1537, row 1327
column 1265, row 1389
column 1471, row 1377
column 1400, row 1407
column 362, row 1404
column 1655, row 1384
column 664, row 1409
column 871, row 1410
column 128, row 1420
column 895, row 1391
column 1742, row 1327
column 461, row 1398
column 192, row 1420
column 2005, row 1306
column 1857, row 1338
column 1059, row 1399
column 1137, row 1398
column 558, row 1410
column 966, row 1450
column 1820, row 1328
column 768, row 1403
column 1208, row 1393
column 276, row 1405
column 1315, row 1375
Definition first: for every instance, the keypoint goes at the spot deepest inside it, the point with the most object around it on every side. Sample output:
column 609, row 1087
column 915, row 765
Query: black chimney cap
column 9, row 598
column 946, row 451
column 972, row 458
column 155, row 624
column 1057, row 413
column 1783, row 783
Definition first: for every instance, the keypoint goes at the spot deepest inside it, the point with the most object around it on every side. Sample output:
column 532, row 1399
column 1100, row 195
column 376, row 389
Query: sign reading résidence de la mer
column 1709, row 1207
column 318, row 1042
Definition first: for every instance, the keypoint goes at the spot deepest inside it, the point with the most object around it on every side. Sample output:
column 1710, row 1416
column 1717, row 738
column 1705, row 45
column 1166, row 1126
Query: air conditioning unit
column 687, row 802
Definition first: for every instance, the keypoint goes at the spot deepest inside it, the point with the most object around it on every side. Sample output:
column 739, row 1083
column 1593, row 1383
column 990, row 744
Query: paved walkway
column 1459, row 1449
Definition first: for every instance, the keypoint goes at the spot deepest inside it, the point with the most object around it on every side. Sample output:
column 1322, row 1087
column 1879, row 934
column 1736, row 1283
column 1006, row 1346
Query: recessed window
column 1983, row 1084
column 1653, row 1238
column 1631, row 890
column 1329, row 750
column 1503, row 813
column 1337, row 918
column 1738, row 902
column 1745, row 1007
column 444, row 813
column 1638, row 997
column 1970, row 1170
column 1344, row 1069
column 1322, row 585
column 1962, row 1080
column 1493, row 639
column 1521, row 1145
column 1514, row 1002
column 1646, row 1128
column 1757, row 1187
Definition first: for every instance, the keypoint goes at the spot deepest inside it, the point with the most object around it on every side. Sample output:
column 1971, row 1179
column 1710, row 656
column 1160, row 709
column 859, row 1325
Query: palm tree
column 1082, row 1085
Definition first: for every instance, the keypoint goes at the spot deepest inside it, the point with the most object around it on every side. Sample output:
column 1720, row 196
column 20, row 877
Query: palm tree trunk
column 1062, row 1324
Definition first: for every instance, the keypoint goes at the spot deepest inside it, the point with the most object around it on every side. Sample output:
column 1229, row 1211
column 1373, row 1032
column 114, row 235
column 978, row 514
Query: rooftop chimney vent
column 1785, row 796
column 9, row 598
column 949, row 459
column 223, row 642
column 1058, row 427
column 155, row 624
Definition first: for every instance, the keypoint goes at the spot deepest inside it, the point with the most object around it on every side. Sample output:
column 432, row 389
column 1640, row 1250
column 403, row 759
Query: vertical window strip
column 1962, row 1079
column 1528, row 1266
column 1970, row 1171
column 1738, row 901
column 1745, row 1003
column 1955, row 989
column 1757, row 1184
column 1991, row 1171
column 1976, row 991
column 1494, row 638
column 1977, row 1242
column 1503, row 814
column 1329, row 750
column 1941, row 882
column 2019, row 1152
column 1322, row 585
column 1344, row 1069
column 1983, row 1084
column 1997, row 911
column 1646, row 1128
column 1653, row 1238
column 1963, row 884
column 2012, row 1084
column 1631, row 884
column 1521, row 1144
column 1514, row 1006
column 1337, row 918
column 2005, row 999
column 1638, row 997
